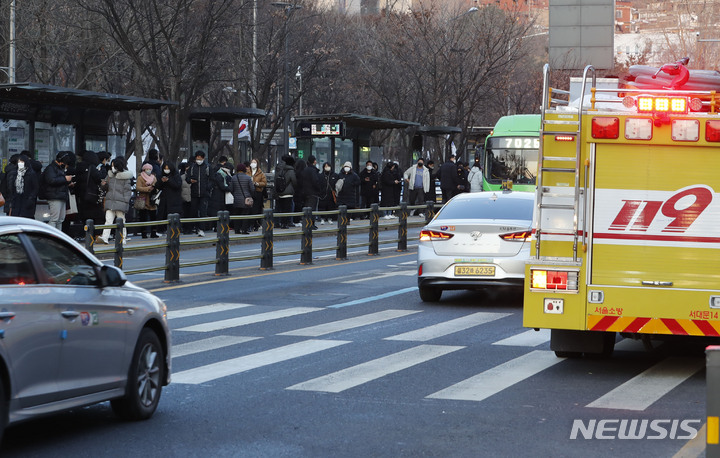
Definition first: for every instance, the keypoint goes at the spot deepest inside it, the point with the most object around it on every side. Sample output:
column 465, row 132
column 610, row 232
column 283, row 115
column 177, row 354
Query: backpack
column 280, row 182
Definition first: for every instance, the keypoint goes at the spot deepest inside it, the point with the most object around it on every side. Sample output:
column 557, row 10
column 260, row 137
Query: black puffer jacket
column 53, row 179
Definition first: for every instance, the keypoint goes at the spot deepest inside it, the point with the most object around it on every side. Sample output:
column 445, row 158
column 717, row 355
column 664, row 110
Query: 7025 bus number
column 521, row 143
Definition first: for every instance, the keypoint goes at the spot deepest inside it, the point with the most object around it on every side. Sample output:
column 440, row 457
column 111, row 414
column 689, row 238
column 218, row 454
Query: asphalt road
column 341, row 358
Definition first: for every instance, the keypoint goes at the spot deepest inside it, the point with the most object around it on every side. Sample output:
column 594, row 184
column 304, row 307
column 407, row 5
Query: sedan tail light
column 522, row 236
column 428, row 235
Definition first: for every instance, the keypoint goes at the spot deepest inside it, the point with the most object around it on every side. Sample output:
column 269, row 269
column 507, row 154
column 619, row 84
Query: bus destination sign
column 321, row 129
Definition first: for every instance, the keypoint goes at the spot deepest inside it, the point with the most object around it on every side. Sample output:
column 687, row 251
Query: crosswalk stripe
column 241, row 364
column 449, row 327
column 213, row 343
column 494, row 380
column 371, row 370
column 385, row 275
column 374, row 298
column 204, row 309
column 529, row 338
column 250, row 319
column 641, row 391
column 350, row 323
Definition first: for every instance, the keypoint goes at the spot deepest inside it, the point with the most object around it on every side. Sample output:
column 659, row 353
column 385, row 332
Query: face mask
column 199, row 162
column 147, row 172
column 369, row 167
column 327, row 169
column 420, row 164
column 253, row 165
column 166, row 172
column 21, row 165
column 346, row 169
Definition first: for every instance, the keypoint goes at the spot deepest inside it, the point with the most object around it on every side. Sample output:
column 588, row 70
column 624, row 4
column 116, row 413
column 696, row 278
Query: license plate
column 474, row 271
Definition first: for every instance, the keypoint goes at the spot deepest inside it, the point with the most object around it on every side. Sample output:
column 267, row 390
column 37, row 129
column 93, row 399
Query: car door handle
column 70, row 314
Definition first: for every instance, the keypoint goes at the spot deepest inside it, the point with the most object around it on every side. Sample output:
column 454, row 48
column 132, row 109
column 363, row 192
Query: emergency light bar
column 662, row 105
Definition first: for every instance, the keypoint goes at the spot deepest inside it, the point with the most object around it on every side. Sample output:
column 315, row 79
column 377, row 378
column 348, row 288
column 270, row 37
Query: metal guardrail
column 173, row 244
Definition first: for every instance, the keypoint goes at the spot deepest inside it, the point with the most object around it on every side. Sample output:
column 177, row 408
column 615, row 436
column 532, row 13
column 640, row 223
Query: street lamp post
column 298, row 77
column 10, row 69
column 288, row 9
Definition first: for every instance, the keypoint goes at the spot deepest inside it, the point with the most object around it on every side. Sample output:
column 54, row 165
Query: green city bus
column 511, row 153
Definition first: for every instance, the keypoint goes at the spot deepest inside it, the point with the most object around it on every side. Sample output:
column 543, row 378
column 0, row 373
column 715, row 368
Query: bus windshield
column 511, row 158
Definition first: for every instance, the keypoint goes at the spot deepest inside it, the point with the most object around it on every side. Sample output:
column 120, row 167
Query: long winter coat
column 23, row 203
column 201, row 173
column 119, row 191
column 241, row 188
column 221, row 185
column 143, row 192
column 348, row 195
column 389, row 187
column 171, row 198
column 288, row 171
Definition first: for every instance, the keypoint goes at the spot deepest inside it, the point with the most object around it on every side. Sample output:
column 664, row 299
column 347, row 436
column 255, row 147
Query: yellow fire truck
column 627, row 218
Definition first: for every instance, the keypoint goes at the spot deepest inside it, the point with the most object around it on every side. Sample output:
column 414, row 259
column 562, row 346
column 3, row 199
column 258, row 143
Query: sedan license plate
column 474, row 271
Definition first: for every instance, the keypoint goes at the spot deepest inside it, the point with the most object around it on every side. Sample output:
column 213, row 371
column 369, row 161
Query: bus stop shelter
column 340, row 138
column 46, row 119
column 199, row 127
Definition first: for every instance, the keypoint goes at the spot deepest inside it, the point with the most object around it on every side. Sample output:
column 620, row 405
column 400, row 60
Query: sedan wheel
column 430, row 294
column 145, row 379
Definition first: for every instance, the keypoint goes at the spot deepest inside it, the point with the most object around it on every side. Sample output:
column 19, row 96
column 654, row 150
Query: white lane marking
column 349, row 323
column 203, row 309
column 494, row 380
column 374, row 298
column 213, row 343
column 529, row 338
column 241, row 364
column 449, row 327
column 362, row 373
column 385, row 275
column 251, row 319
column 641, row 391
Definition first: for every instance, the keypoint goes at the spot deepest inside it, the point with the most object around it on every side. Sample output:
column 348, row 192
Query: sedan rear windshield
column 488, row 209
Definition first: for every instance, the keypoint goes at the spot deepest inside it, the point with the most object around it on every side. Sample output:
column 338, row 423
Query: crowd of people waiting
column 105, row 189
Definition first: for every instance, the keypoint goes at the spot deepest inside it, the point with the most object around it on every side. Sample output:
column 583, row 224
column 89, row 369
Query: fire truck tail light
column 606, row 128
column 428, row 236
column 685, row 130
column 712, row 131
column 554, row 280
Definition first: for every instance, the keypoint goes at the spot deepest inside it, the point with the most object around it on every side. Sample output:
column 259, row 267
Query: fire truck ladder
column 543, row 193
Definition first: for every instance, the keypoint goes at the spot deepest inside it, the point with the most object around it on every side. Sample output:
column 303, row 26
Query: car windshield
column 487, row 209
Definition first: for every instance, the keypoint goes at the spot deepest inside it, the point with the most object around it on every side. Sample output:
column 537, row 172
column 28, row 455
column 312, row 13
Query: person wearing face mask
column 259, row 184
column 117, row 198
column 284, row 199
column 145, row 186
column 198, row 176
column 326, row 200
column 368, row 186
column 170, row 184
column 22, row 189
column 417, row 183
column 220, row 186
column 350, row 188
column 9, row 168
column 55, row 183
column 389, row 182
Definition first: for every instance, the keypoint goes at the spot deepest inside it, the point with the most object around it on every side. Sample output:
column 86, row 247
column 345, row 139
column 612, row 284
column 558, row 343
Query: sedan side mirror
column 111, row 276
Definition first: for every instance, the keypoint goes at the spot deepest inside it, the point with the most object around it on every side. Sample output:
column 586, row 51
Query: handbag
column 155, row 198
column 248, row 200
column 229, row 198
column 140, row 203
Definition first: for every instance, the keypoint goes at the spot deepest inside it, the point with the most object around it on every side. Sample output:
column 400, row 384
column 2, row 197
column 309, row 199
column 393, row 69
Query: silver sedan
column 73, row 331
column 476, row 240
